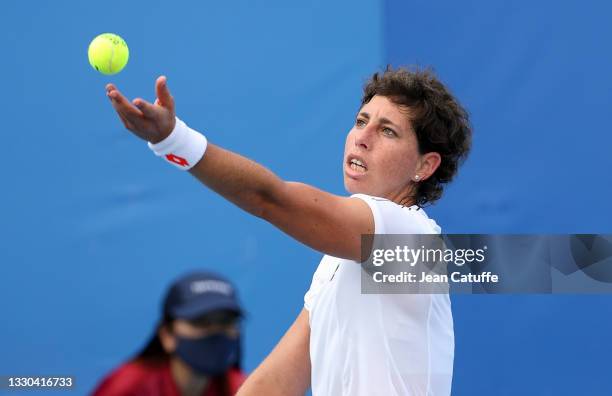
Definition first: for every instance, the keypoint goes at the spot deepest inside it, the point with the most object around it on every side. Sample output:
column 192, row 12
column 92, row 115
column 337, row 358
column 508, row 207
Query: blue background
column 94, row 227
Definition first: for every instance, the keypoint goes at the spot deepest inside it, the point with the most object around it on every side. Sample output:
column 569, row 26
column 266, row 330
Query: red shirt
column 137, row 378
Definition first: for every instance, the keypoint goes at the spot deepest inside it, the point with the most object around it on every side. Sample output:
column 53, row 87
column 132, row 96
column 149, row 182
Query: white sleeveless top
column 378, row 344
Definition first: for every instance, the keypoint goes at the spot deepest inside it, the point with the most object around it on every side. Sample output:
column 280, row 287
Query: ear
column 167, row 339
column 427, row 165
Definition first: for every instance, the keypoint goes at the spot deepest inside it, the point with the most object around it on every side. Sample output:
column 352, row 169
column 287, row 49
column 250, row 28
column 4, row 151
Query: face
column 381, row 156
column 221, row 322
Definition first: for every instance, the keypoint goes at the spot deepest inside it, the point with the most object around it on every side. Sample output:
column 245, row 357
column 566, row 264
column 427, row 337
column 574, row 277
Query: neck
column 188, row 382
column 405, row 197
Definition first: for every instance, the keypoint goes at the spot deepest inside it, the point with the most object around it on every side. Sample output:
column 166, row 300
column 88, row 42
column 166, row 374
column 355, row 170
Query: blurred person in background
column 195, row 350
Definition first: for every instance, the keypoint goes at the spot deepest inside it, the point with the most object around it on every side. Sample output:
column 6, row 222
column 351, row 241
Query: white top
column 378, row 344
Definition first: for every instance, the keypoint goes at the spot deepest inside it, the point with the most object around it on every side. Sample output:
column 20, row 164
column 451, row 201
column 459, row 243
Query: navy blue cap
column 196, row 294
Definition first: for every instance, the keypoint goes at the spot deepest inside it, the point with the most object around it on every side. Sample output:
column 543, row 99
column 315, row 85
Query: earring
column 416, row 178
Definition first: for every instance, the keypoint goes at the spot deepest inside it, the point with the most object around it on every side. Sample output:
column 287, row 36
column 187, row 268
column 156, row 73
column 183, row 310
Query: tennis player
column 408, row 139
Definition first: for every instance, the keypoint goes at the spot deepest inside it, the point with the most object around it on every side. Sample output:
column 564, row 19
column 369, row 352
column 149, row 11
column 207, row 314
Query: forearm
column 238, row 179
column 286, row 371
column 323, row 221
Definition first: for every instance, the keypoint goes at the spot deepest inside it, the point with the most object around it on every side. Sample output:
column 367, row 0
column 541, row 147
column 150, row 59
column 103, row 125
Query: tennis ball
column 108, row 53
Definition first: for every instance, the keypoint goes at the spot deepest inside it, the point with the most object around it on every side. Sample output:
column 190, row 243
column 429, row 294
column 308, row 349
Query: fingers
column 148, row 110
column 164, row 97
column 152, row 122
column 126, row 112
column 121, row 104
column 126, row 122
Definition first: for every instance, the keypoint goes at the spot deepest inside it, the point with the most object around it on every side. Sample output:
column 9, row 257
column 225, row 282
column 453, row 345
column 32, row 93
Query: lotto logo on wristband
column 183, row 148
column 180, row 161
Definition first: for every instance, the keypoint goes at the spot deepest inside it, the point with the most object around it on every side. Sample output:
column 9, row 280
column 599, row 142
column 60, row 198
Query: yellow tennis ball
column 108, row 53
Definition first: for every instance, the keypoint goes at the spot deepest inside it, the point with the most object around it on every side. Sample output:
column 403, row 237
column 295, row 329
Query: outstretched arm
column 328, row 223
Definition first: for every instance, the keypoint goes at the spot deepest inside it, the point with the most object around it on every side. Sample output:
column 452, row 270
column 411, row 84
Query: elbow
column 271, row 203
column 268, row 203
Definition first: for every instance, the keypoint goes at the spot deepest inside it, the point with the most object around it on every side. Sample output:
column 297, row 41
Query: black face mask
column 211, row 355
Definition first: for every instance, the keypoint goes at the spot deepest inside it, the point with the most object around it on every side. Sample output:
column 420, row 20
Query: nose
column 363, row 138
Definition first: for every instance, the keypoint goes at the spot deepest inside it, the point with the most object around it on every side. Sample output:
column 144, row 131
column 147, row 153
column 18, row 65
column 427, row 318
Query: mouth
column 356, row 165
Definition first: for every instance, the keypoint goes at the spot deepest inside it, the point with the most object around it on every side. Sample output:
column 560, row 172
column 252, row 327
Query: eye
column 389, row 132
column 360, row 123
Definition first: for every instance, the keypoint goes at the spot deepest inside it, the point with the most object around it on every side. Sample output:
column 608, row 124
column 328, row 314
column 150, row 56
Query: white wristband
column 183, row 148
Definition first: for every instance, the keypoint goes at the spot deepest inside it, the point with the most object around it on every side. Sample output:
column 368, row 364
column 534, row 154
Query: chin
column 354, row 187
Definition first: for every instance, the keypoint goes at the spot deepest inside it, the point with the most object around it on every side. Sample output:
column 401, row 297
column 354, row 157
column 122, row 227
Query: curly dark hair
column 440, row 122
